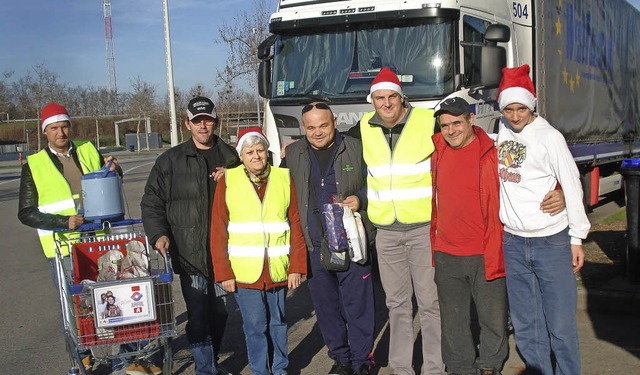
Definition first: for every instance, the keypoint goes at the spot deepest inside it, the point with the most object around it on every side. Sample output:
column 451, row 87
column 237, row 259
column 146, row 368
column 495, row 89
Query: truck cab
column 331, row 51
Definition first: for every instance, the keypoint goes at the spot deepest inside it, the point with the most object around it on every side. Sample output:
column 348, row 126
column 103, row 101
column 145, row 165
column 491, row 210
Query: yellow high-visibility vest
column 399, row 182
column 256, row 227
column 54, row 192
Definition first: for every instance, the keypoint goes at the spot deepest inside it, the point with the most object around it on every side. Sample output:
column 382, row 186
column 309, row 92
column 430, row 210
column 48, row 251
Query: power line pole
column 111, row 59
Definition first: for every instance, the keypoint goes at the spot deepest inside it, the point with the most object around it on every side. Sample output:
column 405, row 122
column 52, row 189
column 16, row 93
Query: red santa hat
column 385, row 80
column 54, row 112
column 244, row 134
column 516, row 87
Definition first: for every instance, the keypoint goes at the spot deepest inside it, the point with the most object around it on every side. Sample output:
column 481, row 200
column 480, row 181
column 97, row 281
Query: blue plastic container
column 102, row 195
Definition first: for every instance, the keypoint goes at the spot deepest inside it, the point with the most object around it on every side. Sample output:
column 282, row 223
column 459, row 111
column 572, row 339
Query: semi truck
column 584, row 57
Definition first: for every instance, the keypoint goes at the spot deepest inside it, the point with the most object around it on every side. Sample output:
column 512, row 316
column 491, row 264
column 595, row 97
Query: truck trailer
column 584, row 55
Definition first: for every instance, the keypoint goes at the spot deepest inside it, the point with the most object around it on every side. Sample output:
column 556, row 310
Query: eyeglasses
column 203, row 120
column 311, row 106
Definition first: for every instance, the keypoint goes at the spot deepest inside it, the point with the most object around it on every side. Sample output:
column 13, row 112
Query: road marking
column 123, row 172
column 6, row 182
column 136, row 167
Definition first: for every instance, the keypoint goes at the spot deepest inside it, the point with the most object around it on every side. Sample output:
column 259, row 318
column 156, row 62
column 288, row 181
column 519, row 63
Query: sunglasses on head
column 320, row 105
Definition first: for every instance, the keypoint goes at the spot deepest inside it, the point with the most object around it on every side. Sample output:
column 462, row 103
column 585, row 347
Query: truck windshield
column 340, row 64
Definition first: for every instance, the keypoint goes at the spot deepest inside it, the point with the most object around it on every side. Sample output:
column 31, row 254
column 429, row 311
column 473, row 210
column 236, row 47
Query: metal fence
column 13, row 148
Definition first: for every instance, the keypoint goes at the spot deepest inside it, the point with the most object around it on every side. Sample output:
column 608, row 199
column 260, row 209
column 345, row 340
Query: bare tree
column 242, row 37
column 92, row 107
column 43, row 87
column 141, row 102
column 198, row 90
column 5, row 94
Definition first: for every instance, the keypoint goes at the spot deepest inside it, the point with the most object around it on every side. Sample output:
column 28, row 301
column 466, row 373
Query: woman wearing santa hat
column 257, row 248
column 542, row 252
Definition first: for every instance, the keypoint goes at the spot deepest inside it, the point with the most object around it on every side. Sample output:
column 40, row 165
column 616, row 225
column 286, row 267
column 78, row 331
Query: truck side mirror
column 497, row 33
column 264, row 49
column 264, row 70
column 492, row 57
column 264, row 79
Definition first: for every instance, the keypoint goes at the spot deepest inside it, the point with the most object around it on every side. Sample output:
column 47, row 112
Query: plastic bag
column 356, row 235
column 136, row 263
column 108, row 265
column 336, row 235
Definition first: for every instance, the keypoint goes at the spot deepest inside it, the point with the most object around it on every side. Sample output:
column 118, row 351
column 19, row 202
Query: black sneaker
column 341, row 369
column 363, row 370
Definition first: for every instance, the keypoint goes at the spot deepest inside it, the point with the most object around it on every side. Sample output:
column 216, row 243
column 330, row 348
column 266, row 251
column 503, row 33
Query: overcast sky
column 68, row 38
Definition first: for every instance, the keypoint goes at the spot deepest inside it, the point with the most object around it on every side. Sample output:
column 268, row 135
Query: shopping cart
column 131, row 316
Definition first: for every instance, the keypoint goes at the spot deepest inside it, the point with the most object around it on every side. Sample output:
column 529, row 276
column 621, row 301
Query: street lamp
column 254, row 30
column 172, row 98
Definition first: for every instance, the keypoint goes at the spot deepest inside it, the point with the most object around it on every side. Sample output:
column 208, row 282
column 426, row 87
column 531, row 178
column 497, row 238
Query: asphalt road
column 32, row 341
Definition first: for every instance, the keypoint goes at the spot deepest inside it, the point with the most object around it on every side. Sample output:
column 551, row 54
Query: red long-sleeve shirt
column 220, row 238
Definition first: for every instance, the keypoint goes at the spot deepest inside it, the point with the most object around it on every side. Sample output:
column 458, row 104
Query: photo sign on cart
column 124, row 303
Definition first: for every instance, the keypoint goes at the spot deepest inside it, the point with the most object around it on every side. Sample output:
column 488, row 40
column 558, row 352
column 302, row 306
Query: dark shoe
column 222, row 370
column 341, row 369
column 363, row 370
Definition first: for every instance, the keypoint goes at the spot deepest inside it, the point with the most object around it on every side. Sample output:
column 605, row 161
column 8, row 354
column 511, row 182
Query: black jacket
column 28, row 211
column 176, row 204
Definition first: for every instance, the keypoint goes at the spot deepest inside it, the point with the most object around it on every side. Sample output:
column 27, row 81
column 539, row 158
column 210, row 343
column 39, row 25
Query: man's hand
column 114, row 166
column 218, row 173
column 294, row 280
column 283, row 153
column 75, row 221
column 162, row 244
column 553, row 203
column 229, row 285
column 352, row 202
column 577, row 253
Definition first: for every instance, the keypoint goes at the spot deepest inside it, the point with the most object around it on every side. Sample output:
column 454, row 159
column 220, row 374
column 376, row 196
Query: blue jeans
column 542, row 299
column 263, row 318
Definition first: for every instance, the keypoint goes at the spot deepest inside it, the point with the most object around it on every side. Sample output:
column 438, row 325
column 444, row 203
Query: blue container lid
column 631, row 163
column 98, row 174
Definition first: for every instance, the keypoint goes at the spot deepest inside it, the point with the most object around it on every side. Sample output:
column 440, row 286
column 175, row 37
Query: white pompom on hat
column 385, row 80
column 248, row 132
column 54, row 112
column 516, row 87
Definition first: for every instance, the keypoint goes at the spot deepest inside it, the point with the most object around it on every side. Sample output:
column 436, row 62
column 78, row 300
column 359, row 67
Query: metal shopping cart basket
column 114, row 290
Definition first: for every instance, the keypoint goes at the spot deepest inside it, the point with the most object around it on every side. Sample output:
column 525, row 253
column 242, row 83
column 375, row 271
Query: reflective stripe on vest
column 399, row 183
column 54, row 193
column 255, row 227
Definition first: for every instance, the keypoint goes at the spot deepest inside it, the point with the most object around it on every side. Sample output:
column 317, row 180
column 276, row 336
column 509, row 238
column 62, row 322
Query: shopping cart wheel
column 167, row 356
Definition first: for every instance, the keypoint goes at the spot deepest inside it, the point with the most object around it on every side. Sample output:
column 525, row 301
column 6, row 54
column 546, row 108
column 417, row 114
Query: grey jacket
column 350, row 178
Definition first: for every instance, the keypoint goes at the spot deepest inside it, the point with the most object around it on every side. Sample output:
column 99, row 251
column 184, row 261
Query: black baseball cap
column 201, row 106
column 454, row 106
